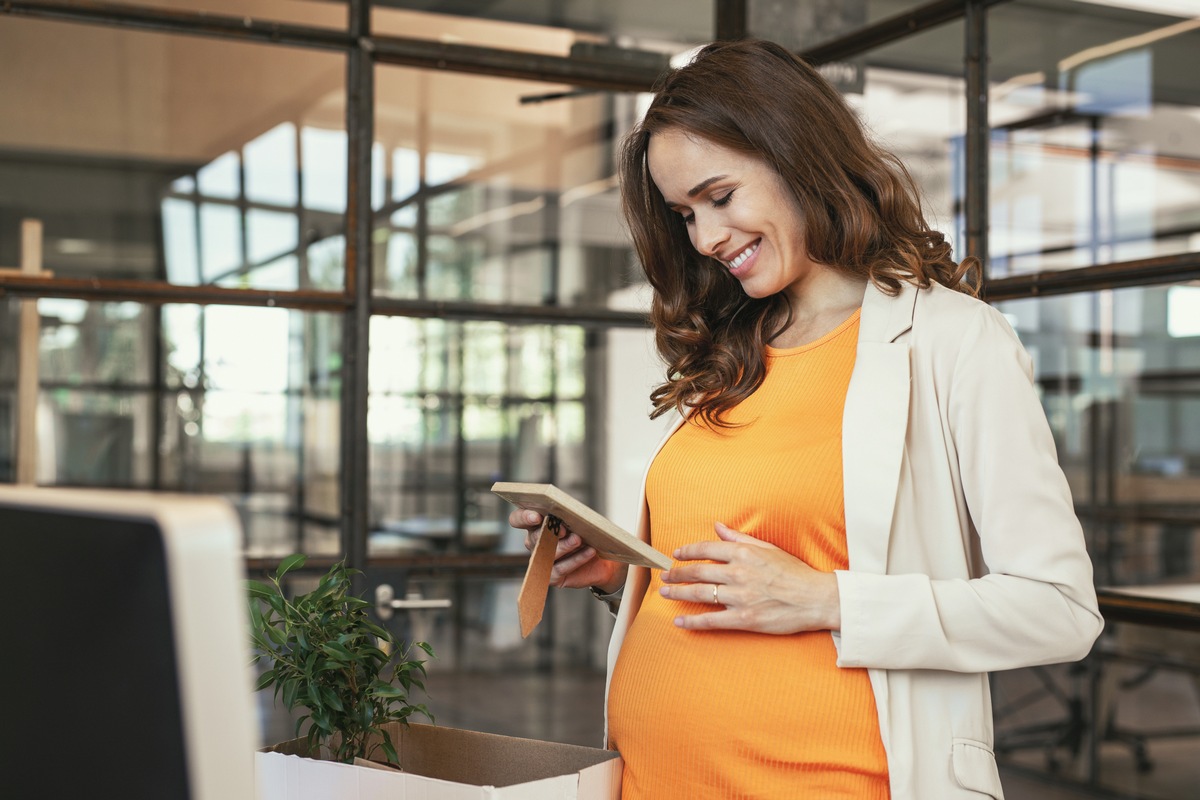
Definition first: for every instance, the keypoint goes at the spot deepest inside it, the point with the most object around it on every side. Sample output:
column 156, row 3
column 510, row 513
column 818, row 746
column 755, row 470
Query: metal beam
column 356, row 325
column 497, row 63
column 192, row 23
column 158, row 292
column 978, row 134
column 891, row 29
column 1121, row 275
column 612, row 75
column 510, row 314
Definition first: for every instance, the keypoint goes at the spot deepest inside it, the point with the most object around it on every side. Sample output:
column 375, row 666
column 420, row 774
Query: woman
column 861, row 497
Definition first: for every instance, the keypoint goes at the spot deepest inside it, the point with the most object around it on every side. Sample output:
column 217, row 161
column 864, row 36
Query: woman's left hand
column 752, row 586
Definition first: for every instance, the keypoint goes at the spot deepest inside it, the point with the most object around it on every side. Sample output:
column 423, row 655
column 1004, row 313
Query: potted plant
column 327, row 656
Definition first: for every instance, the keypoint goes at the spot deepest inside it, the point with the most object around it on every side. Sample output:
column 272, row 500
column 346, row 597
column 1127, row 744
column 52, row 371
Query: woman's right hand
column 576, row 565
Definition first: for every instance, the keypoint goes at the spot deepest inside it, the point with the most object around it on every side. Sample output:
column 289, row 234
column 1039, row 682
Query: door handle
column 386, row 603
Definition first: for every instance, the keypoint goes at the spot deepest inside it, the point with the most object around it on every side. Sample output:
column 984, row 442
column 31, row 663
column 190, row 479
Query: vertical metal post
column 424, row 107
column 730, row 21
column 355, row 494
column 978, row 135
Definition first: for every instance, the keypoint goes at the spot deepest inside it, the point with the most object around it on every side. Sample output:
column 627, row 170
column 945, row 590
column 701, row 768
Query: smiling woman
column 836, row 467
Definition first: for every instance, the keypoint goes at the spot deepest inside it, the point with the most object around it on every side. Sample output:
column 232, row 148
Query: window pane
column 271, row 166
column 1095, row 146
column 519, row 200
column 912, row 97
column 1122, row 393
column 437, row 445
column 95, row 343
column 178, row 157
column 252, row 412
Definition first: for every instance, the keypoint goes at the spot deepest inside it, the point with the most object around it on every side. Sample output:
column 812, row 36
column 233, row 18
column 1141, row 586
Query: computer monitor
column 124, row 655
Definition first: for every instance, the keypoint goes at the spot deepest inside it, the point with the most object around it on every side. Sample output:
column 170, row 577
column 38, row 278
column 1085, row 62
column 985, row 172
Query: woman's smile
column 740, row 264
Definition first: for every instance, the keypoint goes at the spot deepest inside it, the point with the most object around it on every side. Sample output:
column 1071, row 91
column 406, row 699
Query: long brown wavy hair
column 860, row 208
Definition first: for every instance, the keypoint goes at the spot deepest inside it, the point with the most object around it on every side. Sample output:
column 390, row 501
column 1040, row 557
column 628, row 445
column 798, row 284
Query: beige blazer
column 965, row 553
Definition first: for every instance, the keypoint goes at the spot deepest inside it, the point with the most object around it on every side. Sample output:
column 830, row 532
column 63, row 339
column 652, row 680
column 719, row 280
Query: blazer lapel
column 874, row 425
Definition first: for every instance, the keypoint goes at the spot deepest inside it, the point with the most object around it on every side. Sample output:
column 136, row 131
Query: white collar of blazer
column 874, row 424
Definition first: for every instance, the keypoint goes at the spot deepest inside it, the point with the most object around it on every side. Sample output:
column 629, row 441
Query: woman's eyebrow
column 704, row 184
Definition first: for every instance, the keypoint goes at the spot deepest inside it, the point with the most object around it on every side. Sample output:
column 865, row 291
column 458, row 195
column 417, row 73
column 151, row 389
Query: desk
column 1162, row 605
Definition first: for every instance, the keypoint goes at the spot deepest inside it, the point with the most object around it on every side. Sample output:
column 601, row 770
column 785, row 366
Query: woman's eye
column 720, row 201
column 688, row 219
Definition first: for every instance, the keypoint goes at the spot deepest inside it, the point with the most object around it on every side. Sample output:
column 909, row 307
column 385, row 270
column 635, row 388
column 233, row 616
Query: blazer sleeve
column 1037, row 604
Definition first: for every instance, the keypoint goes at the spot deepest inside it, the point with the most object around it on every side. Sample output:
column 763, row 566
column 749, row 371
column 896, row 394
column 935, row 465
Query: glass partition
column 496, row 193
column 911, row 95
column 180, row 159
column 1119, row 373
column 456, row 407
column 250, row 409
column 236, row 401
column 1095, row 110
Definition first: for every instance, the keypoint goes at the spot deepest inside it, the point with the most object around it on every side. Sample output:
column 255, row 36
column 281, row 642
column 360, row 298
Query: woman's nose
column 710, row 237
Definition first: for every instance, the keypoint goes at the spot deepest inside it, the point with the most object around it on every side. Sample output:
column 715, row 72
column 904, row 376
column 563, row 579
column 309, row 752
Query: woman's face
column 737, row 210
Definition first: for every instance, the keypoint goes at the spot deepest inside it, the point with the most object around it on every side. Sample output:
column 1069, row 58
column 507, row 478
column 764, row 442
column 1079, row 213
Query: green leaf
column 331, row 699
column 290, row 563
column 387, row 690
column 377, row 631
column 260, row 590
column 265, row 680
column 277, row 604
column 277, row 636
column 290, row 690
column 389, row 749
column 339, row 652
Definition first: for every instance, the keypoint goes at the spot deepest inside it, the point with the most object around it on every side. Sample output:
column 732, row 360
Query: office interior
column 347, row 264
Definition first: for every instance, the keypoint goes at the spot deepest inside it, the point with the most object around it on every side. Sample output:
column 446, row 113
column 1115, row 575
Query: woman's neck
column 823, row 303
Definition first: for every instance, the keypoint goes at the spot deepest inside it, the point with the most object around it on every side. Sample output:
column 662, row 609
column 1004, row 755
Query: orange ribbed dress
column 733, row 714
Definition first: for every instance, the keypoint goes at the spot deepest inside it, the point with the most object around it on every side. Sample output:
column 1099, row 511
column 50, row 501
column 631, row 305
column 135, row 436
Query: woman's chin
column 757, row 291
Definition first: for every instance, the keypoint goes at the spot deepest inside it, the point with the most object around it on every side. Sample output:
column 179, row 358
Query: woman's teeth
column 740, row 258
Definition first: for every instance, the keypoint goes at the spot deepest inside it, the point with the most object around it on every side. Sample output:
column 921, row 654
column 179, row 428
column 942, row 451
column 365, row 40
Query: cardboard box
column 445, row 764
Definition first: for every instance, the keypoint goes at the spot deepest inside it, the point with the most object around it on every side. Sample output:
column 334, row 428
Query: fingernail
column 531, row 516
column 665, row 591
column 679, row 621
column 675, row 554
column 666, row 575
